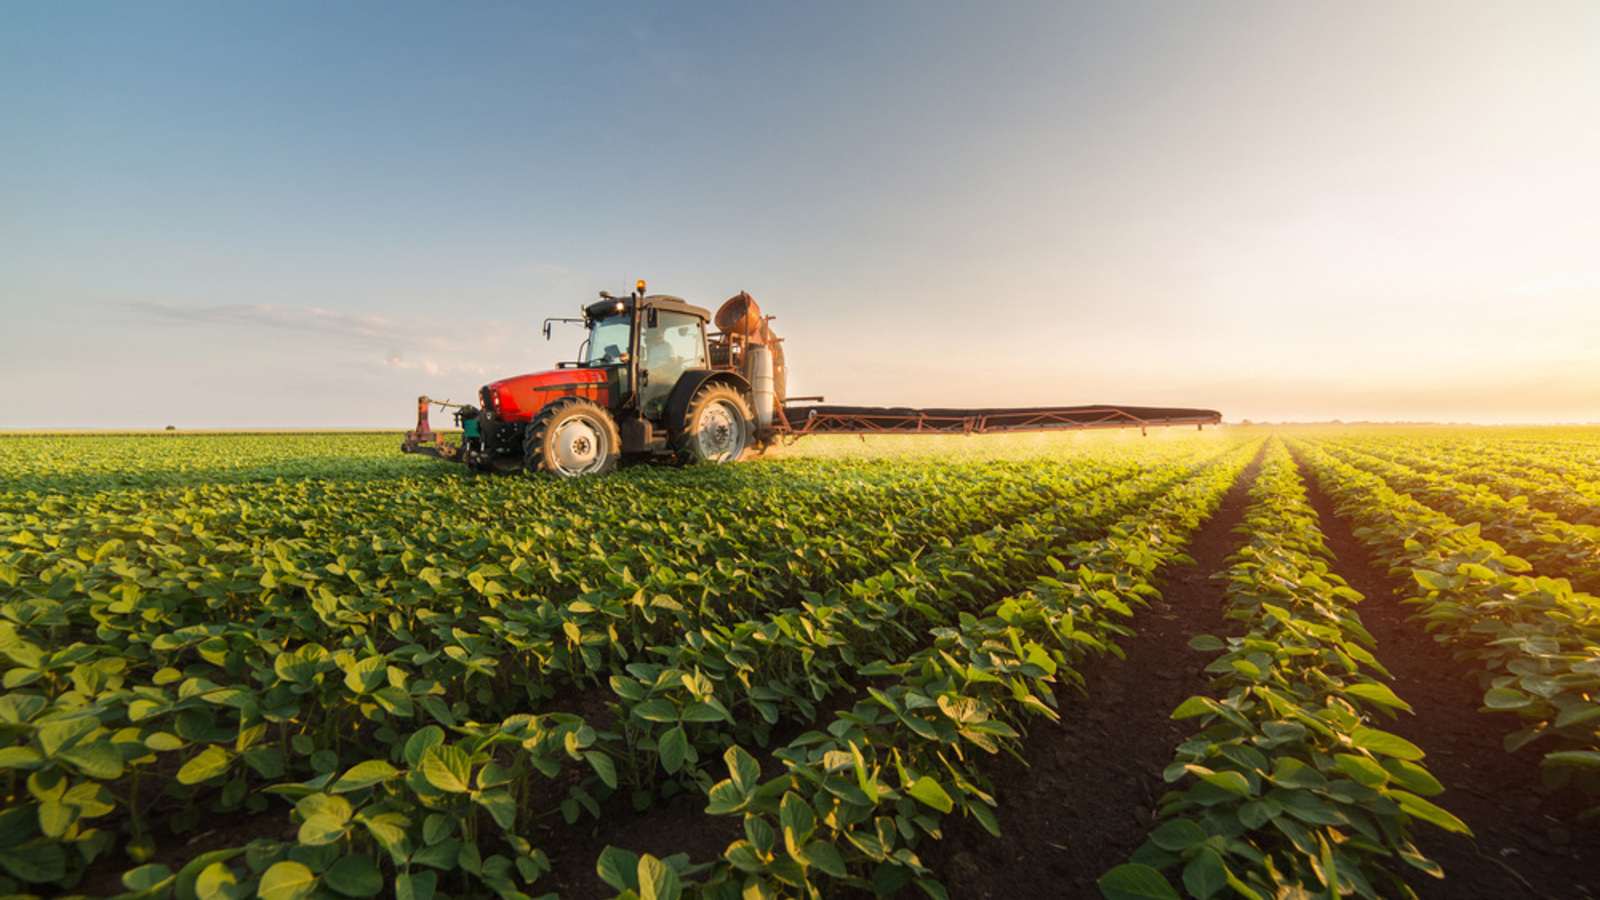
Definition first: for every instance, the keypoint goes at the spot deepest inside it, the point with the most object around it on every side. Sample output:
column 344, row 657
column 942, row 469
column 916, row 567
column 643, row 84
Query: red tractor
column 649, row 383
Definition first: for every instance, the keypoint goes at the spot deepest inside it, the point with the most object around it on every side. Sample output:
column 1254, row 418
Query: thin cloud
column 383, row 333
column 396, row 360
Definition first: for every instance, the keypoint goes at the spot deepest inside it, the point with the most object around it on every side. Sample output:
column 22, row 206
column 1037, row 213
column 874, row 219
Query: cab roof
column 612, row 306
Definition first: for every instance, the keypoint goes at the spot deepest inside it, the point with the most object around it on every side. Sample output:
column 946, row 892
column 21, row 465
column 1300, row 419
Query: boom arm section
column 806, row 420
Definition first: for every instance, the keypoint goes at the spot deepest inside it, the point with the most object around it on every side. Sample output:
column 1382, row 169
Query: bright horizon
column 296, row 215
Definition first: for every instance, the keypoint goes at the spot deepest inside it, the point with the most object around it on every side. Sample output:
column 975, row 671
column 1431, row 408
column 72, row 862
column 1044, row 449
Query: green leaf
column 36, row 862
column 1589, row 759
column 388, row 829
column 743, row 769
column 825, row 856
column 1506, row 698
column 208, row 764
column 501, row 807
column 627, row 688
column 1427, row 812
column 618, row 868
column 146, row 877
column 354, row 876
column 417, row 744
column 1205, row 875
column 447, row 768
column 24, row 758
column 985, row 817
column 603, row 767
column 797, row 820
column 1134, row 881
column 189, row 875
column 415, row 885
column 1194, row 706
column 1577, row 713
column 656, row 711
column 162, row 742
column 1432, row 581
column 217, row 882
column 55, row 818
column 301, row 665
column 367, row 675
column 53, row 737
column 363, row 775
column 673, row 749
column 1363, row 770
column 703, row 712
column 326, row 818
column 1178, row 835
column 394, row 701
column 286, row 880
column 99, row 760
column 1377, row 693
column 744, row 857
column 1307, row 807
column 657, row 881
column 1257, row 813
column 443, row 855
column 927, row 789
column 1384, row 744
column 494, row 775
column 1413, row 777
column 1230, row 781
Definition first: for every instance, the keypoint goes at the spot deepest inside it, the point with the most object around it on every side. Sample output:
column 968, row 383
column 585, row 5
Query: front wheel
column 569, row 438
column 718, row 426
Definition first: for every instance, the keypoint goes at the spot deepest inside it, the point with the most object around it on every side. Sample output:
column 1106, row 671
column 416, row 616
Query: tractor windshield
column 609, row 339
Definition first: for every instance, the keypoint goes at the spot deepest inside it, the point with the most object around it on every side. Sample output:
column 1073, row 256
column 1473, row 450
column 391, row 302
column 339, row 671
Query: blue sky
column 305, row 214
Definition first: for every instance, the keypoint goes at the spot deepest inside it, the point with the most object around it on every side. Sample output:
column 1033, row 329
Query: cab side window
column 671, row 344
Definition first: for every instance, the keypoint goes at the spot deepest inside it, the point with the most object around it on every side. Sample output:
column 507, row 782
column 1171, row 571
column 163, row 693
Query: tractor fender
column 689, row 384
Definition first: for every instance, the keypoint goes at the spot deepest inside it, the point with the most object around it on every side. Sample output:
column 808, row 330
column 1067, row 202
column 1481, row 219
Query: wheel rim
column 580, row 446
column 722, row 433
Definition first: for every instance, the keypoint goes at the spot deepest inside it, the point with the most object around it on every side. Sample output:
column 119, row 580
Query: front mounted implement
column 423, row 440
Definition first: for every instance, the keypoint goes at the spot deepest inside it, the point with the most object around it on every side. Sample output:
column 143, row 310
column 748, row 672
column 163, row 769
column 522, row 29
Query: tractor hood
column 520, row 398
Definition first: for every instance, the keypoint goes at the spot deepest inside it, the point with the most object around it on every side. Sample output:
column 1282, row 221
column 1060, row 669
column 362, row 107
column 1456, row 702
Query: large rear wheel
column 718, row 426
column 569, row 438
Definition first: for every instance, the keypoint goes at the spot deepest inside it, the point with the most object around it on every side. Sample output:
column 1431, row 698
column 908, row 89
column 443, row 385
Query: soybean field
column 301, row 665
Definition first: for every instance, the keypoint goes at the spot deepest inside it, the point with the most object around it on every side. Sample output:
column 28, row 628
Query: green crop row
column 1555, row 547
column 856, row 800
column 1287, row 790
column 1549, row 481
column 53, row 463
column 783, row 666
column 1534, row 639
column 333, row 647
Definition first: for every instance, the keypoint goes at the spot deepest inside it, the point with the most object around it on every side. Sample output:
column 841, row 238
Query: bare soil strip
column 1526, row 844
column 1086, row 797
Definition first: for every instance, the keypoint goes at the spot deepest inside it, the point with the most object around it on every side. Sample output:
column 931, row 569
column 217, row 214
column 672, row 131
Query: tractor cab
column 649, row 342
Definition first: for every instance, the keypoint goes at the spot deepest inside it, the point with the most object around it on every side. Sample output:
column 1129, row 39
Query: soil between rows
column 1526, row 842
column 1087, row 795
